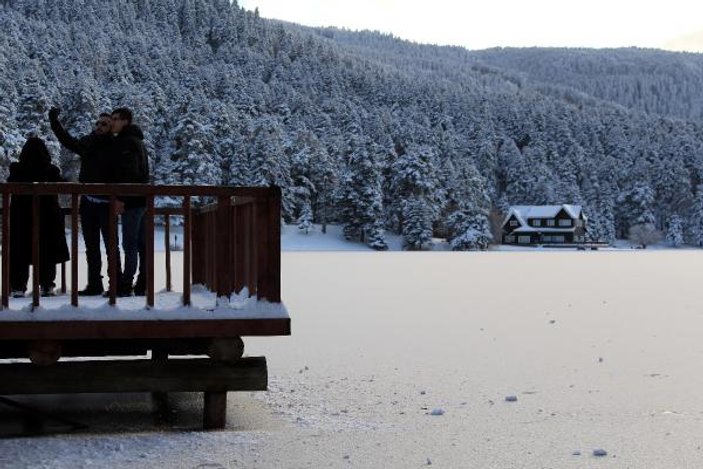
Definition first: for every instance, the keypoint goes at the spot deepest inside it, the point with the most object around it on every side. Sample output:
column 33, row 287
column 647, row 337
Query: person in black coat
column 93, row 150
column 35, row 166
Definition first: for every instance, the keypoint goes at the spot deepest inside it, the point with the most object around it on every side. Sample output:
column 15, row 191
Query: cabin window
column 558, row 239
column 523, row 239
column 513, row 222
column 550, row 222
column 547, row 239
column 510, row 239
column 536, row 222
column 564, row 222
column 579, row 223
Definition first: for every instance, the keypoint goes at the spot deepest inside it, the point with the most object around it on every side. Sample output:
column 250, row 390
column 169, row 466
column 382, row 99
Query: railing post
column 240, row 251
column 113, row 254
column 252, row 248
column 187, row 225
column 149, row 228
column 74, row 249
column 231, row 215
column 211, row 259
column 211, row 279
column 35, row 250
column 204, row 243
column 5, row 249
column 197, row 237
column 223, row 251
column 167, row 242
column 269, row 246
column 63, row 277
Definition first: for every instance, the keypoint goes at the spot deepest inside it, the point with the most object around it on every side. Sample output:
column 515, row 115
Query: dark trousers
column 19, row 274
column 133, row 243
column 95, row 221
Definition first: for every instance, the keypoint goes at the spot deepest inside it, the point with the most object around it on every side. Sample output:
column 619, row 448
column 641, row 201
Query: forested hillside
column 652, row 81
column 360, row 128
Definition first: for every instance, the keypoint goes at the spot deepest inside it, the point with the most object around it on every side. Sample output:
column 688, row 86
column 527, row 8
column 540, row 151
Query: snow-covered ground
column 293, row 239
column 480, row 360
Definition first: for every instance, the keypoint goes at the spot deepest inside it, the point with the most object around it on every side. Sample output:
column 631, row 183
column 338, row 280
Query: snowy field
column 523, row 359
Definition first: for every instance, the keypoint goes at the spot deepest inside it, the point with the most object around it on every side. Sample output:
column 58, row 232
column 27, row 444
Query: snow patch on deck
column 167, row 307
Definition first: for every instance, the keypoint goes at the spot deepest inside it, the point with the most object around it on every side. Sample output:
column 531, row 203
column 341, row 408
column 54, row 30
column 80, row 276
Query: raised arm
column 81, row 146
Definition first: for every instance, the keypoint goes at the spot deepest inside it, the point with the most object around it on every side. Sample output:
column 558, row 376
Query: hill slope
column 360, row 128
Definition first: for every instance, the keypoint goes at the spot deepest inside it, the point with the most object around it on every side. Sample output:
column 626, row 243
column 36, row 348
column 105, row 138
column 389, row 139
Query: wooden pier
column 231, row 245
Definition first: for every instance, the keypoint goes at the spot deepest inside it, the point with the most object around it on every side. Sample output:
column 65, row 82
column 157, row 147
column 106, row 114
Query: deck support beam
column 159, row 377
column 214, row 410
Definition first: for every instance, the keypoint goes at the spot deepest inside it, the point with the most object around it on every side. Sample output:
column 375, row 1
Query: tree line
column 363, row 129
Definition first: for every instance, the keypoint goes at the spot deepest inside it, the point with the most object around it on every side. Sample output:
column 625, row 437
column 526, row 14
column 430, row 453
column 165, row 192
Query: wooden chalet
column 544, row 225
column 231, row 246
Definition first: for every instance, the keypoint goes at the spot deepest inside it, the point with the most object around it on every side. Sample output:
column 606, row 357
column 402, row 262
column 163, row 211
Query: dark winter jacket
column 128, row 162
column 91, row 148
column 52, row 237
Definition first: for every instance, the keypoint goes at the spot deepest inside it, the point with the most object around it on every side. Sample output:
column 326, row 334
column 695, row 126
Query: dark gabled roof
column 523, row 212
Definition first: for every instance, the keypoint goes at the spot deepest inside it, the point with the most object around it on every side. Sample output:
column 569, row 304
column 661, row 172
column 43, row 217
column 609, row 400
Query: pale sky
column 663, row 24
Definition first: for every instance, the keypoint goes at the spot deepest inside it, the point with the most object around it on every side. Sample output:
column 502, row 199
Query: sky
column 671, row 24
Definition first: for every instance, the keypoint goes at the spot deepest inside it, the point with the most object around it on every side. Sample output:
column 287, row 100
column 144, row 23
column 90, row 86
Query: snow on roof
column 523, row 212
column 542, row 229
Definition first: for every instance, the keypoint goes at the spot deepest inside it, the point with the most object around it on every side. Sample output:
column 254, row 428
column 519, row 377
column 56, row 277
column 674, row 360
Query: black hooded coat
column 128, row 162
column 35, row 166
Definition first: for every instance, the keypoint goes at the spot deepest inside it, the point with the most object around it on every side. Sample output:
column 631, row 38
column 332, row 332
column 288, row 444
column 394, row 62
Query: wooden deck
column 188, row 329
column 230, row 246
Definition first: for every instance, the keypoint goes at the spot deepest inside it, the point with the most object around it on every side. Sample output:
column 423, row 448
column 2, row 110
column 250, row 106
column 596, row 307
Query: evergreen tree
column 360, row 198
column 600, row 226
column 227, row 97
column 470, row 231
column 696, row 233
column 416, row 189
column 674, row 232
column 305, row 219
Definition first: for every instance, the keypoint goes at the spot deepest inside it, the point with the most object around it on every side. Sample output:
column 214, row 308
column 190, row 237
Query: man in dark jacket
column 94, row 210
column 129, row 164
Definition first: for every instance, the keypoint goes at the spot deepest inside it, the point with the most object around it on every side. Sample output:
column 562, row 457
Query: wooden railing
column 227, row 246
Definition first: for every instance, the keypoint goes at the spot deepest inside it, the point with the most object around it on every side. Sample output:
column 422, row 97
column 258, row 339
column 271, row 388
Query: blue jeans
column 133, row 243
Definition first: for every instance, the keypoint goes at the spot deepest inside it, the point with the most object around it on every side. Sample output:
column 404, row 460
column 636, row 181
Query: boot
column 124, row 289
column 140, row 286
column 92, row 290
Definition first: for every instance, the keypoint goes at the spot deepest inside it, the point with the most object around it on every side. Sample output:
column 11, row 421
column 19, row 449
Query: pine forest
column 362, row 129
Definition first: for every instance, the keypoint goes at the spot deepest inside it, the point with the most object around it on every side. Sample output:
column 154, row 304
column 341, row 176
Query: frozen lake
column 602, row 350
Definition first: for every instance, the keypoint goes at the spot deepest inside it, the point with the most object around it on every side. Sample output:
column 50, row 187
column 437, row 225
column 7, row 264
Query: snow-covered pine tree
column 268, row 164
column 535, row 133
column 193, row 158
column 635, row 206
column 302, row 188
column 305, row 219
column 467, row 208
column 417, row 223
column 674, row 231
column 696, row 217
column 470, row 231
column 10, row 141
column 600, row 226
column 360, row 197
column 416, row 189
